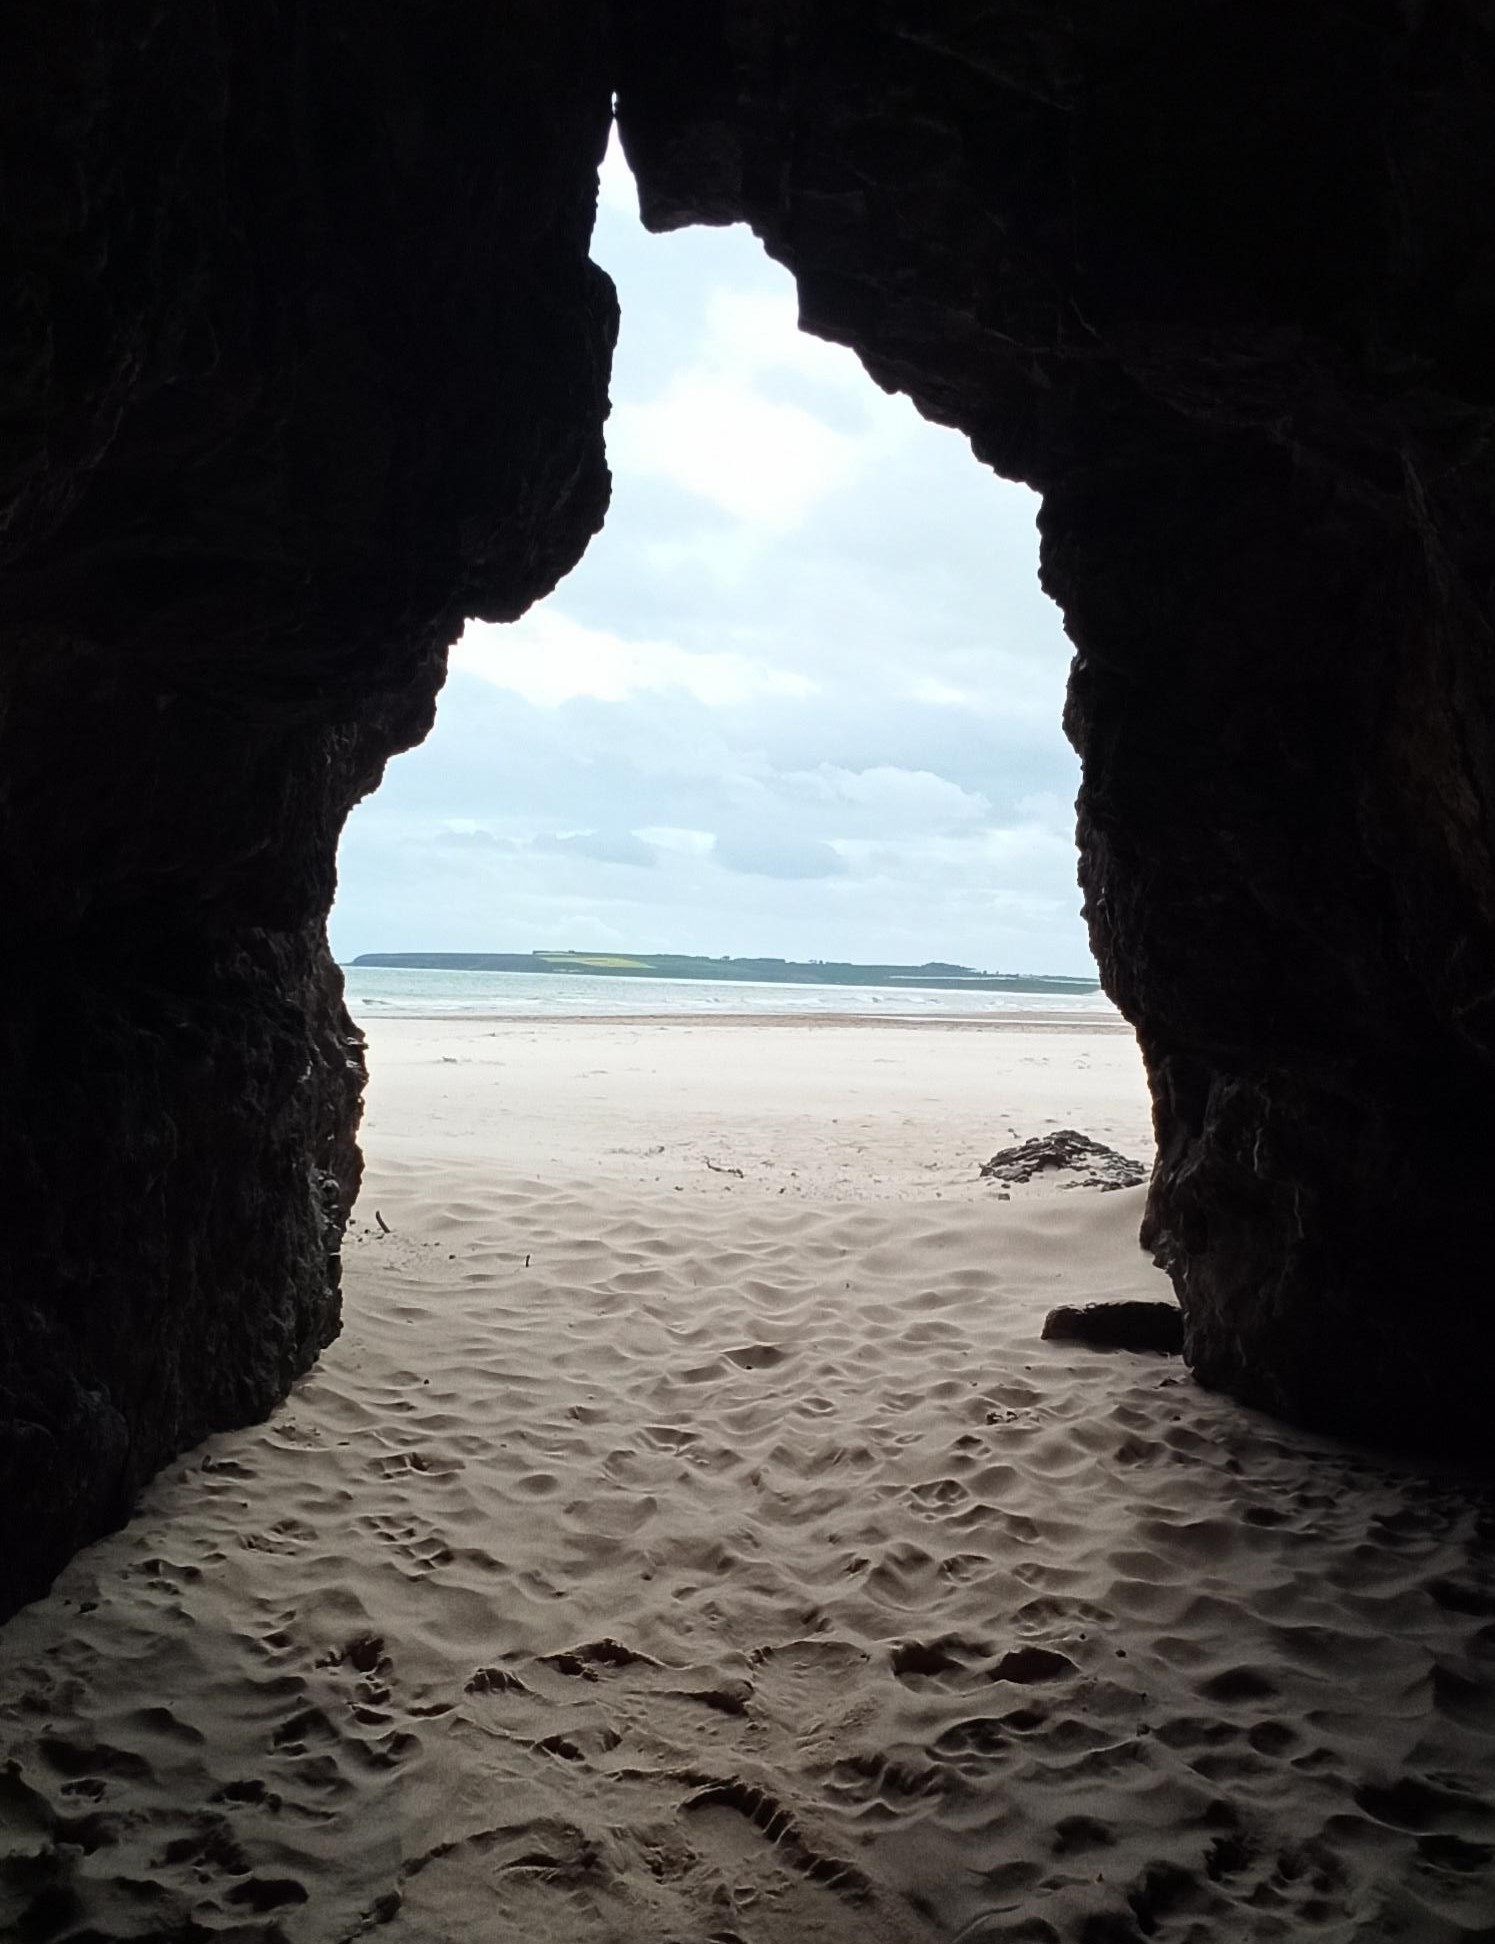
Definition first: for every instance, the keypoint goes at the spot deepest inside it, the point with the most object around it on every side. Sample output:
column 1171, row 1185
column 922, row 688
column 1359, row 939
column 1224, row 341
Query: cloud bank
column 802, row 696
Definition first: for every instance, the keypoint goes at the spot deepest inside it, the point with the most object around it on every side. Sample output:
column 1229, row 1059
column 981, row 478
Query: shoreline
column 825, row 1107
column 1048, row 1022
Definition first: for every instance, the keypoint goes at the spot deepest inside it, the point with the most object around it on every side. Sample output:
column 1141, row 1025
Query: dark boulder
column 1119, row 1326
column 1088, row 1163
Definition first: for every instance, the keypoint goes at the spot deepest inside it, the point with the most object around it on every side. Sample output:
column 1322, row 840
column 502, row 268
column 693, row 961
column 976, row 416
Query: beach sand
column 670, row 1555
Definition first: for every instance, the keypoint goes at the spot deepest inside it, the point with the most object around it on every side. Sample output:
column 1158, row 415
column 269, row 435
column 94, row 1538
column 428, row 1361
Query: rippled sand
column 655, row 1565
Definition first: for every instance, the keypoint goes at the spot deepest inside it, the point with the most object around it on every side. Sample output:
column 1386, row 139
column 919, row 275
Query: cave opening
column 800, row 698
column 812, row 1592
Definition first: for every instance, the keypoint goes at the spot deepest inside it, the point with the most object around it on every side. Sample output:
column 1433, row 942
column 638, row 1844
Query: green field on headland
column 770, row 971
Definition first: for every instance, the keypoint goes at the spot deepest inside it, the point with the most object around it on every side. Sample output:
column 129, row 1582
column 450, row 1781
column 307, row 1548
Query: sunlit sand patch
column 650, row 1566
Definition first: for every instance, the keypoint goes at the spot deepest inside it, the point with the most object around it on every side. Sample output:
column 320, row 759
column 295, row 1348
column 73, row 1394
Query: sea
column 385, row 992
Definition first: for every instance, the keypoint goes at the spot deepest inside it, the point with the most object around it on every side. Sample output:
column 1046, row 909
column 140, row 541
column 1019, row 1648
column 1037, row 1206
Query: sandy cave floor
column 654, row 1562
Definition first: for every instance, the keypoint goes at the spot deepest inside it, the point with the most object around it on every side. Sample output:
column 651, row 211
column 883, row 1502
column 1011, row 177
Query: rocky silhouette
column 1088, row 1163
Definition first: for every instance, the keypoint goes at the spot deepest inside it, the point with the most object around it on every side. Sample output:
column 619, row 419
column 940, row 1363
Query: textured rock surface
column 1118, row 1326
column 1089, row 1164
column 303, row 361
column 1220, row 282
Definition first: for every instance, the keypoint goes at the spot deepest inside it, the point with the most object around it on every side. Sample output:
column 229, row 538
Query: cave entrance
column 800, row 699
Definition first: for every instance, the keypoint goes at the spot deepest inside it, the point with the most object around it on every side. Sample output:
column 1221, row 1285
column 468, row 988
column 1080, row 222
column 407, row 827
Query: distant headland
column 769, row 971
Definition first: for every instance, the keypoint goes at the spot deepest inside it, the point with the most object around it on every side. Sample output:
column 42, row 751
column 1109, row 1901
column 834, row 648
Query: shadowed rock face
column 1220, row 283
column 304, row 360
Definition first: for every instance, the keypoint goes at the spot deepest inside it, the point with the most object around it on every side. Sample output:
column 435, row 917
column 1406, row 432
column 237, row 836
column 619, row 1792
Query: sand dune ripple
column 652, row 1569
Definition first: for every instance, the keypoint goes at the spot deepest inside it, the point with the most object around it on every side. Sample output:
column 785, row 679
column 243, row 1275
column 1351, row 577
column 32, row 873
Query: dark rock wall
column 303, row 361
column 1219, row 281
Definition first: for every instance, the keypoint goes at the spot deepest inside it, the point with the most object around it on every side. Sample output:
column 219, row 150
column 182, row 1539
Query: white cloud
column 908, row 799
column 938, row 694
column 720, row 429
column 549, row 659
column 785, row 855
column 805, row 678
column 690, row 843
column 601, row 846
column 580, row 930
column 763, row 463
column 1048, row 811
column 463, row 833
column 753, row 332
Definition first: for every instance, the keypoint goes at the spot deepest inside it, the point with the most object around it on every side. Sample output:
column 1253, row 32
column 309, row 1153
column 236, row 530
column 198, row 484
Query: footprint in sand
column 874, row 1780
column 756, row 1356
column 399, row 1464
column 724, row 1808
column 934, row 1660
column 288, row 1536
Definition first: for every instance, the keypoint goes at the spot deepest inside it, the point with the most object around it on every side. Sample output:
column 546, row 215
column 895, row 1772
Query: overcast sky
column 800, row 698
